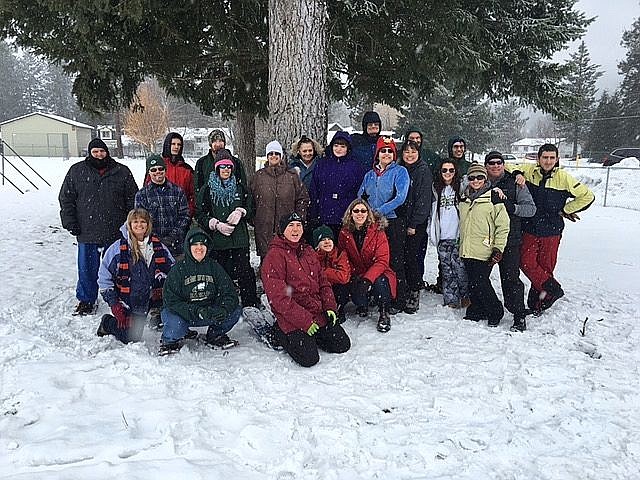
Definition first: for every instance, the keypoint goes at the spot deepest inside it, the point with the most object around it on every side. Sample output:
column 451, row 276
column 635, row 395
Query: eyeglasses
column 225, row 167
column 271, row 154
column 386, row 150
column 476, row 177
column 359, row 210
column 448, row 170
column 495, row 162
column 156, row 169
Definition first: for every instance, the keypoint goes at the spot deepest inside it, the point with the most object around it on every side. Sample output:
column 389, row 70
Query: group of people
column 347, row 224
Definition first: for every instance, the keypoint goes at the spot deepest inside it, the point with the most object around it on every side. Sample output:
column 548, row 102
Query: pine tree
column 11, row 100
column 581, row 81
column 508, row 125
column 630, row 87
column 605, row 133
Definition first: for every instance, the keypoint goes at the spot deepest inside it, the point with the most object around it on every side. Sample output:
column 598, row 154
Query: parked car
column 531, row 156
column 619, row 154
column 509, row 157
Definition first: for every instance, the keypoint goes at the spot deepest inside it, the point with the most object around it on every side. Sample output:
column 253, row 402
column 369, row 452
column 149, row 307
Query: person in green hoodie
column 198, row 293
column 484, row 228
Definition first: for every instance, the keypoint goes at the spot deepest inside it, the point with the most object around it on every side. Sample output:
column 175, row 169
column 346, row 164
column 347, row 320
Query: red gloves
column 122, row 315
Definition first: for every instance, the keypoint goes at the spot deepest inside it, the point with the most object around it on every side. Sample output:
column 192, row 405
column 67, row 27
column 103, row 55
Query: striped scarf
column 123, row 276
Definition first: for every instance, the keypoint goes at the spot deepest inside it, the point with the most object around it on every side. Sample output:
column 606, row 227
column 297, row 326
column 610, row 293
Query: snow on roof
column 189, row 133
column 529, row 142
column 51, row 116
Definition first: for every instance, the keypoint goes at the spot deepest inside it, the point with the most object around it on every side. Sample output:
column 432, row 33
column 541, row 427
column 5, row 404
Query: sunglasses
column 495, row 162
column 386, row 150
column 156, row 169
column 359, row 210
column 476, row 177
column 448, row 170
column 271, row 154
column 225, row 167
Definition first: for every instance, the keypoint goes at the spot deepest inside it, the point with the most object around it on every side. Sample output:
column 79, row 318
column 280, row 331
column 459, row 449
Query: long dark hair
column 438, row 181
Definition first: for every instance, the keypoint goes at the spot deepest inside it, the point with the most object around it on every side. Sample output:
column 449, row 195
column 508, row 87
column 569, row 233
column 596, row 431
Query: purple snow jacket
column 335, row 183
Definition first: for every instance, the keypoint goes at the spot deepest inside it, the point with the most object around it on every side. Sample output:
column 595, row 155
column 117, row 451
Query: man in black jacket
column 95, row 197
column 519, row 204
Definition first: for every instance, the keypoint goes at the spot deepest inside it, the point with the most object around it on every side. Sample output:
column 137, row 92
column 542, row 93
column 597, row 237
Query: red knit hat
column 385, row 142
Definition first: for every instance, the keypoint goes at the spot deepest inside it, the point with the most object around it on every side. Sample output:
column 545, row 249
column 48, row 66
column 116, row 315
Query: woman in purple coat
column 336, row 180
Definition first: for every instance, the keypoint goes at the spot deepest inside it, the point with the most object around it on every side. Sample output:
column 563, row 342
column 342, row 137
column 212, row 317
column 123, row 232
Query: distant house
column 196, row 140
column 531, row 145
column 46, row 135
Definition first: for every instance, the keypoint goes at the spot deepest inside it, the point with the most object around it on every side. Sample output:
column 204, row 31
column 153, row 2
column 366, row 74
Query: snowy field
column 437, row 397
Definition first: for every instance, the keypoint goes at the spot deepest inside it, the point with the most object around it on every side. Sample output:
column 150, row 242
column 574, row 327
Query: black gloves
column 496, row 256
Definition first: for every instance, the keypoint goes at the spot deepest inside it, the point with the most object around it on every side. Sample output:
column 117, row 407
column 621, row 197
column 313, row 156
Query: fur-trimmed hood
column 317, row 148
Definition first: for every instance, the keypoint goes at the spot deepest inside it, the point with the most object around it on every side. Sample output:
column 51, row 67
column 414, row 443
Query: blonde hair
column 347, row 218
column 133, row 244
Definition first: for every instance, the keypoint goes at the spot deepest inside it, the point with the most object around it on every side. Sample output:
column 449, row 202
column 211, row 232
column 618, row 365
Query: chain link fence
column 614, row 186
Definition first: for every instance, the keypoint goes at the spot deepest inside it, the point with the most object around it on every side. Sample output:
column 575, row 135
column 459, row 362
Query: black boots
column 384, row 322
column 413, row 303
column 519, row 323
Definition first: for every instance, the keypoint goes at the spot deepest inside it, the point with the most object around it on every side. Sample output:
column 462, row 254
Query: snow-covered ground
column 435, row 398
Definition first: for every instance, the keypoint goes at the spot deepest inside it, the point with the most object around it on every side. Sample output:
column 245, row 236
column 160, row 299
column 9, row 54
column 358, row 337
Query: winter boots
column 84, row 308
column 552, row 292
column 102, row 329
column 519, row 323
column 413, row 303
column 384, row 322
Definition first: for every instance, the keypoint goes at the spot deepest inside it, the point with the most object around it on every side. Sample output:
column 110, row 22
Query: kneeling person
column 198, row 293
column 300, row 296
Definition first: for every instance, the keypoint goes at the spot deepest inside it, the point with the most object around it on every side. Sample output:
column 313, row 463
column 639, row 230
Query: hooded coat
column 417, row 207
column 178, row 171
column 463, row 164
column 335, row 183
column 93, row 206
column 429, row 157
column 276, row 191
column 296, row 286
column 192, row 285
column 373, row 259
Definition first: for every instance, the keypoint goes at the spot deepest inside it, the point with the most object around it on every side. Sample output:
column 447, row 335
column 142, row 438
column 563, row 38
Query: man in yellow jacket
column 557, row 196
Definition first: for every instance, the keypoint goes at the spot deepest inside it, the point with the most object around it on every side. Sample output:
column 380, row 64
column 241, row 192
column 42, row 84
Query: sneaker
column 169, row 348
column 384, row 322
column 220, row 341
column 84, row 308
column 102, row 330
column 362, row 311
column 519, row 324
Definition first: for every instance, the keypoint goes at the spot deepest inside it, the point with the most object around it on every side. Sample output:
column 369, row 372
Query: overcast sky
column 605, row 33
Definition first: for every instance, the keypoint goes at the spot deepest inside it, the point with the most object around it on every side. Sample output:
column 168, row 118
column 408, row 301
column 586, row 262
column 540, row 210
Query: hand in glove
column 213, row 223
column 156, row 296
column 217, row 315
column 313, row 329
column 121, row 312
column 496, row 256
column 225, row 228
column 331, row 317
column 362, row 286
column 570, row 216
column 235, row 216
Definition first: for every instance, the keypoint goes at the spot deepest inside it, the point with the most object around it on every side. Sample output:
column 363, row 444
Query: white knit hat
column 274, row 146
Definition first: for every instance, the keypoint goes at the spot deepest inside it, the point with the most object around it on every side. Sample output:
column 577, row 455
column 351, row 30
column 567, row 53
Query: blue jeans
column 175, row 327
column 380, row 293
column 89, row 255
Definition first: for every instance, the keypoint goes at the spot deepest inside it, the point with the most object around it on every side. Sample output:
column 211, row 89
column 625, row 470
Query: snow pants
column 303, row 348
column 397, row 237
column 512, row 286
column 455, row 286
column 175, row 327
column 538, row 258
column 485, row 304
column 235, row 262
column 414, row 258
column 126, row 335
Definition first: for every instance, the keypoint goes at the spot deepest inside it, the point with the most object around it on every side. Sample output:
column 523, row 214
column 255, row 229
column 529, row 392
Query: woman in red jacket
column 363, row 238
column 300, row 296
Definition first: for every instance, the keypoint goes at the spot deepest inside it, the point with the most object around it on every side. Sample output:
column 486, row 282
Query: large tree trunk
column 245, row 141
column 297, row 70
